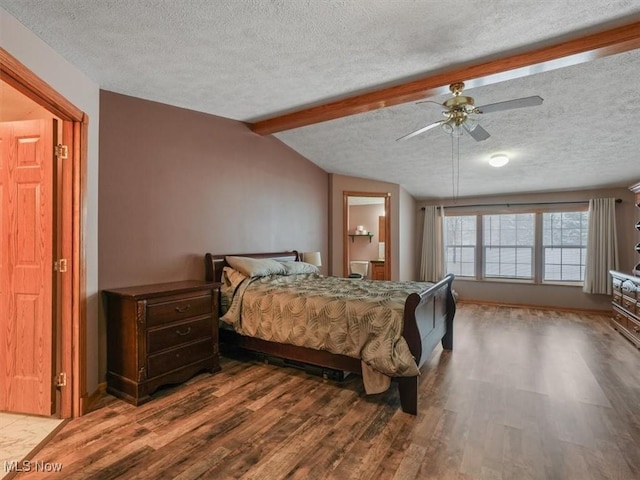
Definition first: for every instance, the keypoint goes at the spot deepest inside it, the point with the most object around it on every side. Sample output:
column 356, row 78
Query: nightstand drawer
column 178, row 357
column 183, row 308
column 179, row 333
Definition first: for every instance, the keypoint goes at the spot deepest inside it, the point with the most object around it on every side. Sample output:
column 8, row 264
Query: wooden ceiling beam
column 571, row 52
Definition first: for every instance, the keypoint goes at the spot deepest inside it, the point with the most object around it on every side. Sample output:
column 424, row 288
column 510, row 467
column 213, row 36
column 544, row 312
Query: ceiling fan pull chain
column 458, row 171
column 453, row 173
column 455, row 167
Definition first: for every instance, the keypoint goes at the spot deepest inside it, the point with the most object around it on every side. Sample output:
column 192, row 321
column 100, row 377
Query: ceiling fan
column 460, row 107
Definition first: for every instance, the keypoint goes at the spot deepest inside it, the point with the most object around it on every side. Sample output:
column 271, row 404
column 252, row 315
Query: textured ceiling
column 248, row 60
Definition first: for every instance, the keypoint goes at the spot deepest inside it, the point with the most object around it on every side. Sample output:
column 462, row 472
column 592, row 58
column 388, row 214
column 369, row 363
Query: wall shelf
column 368, row 235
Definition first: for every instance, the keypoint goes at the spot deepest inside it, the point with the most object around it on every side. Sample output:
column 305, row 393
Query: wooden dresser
column 159, row 334
column 626, row 306
column 636, row 189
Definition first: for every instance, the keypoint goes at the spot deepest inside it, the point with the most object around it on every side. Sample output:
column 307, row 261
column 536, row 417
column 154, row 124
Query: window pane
column 565, row 242
column 460, row 240
column 571, row 256
column 492, row 269
column 509, row 241
column 553, row 256
column 492, row 255
column 468, row 255
column 552, row 272
column 571, row 272
column 468, row 270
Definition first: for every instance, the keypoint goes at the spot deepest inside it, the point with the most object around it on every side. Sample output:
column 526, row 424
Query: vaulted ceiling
column 252, row 60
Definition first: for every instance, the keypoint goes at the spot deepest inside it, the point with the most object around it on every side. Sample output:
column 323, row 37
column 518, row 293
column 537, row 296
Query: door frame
column 345, row 229
column 73, row 210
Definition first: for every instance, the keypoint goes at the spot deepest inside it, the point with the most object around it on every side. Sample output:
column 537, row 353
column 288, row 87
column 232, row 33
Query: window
column 461, row 245
column 508, row 245
column 564, row 246
column 511, row 249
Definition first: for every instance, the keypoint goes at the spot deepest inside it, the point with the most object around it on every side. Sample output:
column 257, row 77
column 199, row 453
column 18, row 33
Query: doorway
column 68, row 378
column 367, row 234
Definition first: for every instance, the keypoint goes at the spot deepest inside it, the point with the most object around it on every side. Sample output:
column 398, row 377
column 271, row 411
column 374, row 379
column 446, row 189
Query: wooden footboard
column 428, row 319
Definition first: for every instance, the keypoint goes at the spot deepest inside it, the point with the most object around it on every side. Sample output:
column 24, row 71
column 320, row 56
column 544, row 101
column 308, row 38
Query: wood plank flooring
column 525, row 394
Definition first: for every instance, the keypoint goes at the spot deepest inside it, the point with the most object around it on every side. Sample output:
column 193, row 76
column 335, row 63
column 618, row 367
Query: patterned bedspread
column 357, row 318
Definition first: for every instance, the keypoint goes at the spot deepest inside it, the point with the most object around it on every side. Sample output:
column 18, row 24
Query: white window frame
column 532, row 251
column 581, row 265
column 461, row 247
column 538, row 247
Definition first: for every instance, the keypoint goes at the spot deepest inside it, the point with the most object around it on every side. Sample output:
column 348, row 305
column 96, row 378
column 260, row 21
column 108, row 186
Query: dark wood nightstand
column 160, row 334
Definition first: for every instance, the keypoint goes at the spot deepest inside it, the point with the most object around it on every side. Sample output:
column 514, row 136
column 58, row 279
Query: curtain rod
column 531, row 204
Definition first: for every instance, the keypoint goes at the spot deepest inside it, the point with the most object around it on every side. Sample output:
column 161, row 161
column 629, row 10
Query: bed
column 420, row 314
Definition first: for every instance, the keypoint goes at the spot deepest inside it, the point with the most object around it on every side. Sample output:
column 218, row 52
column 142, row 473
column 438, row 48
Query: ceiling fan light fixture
column 451, row 128
column 498, row 160
column 458, row 108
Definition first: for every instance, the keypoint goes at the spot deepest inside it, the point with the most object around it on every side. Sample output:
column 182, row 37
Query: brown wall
column 547, row 295
column 175, row 184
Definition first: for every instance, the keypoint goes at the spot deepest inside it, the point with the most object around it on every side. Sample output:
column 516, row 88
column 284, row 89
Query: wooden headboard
column 215, row 263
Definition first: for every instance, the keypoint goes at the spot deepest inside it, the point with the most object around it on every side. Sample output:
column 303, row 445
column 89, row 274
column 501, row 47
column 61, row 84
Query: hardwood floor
column 525, row 394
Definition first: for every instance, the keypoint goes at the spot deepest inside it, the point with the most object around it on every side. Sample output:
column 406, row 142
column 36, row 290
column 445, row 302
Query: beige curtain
column 602, row 246
column 432, row 261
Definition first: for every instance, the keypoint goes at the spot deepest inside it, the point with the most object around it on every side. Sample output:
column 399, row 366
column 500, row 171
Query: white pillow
column 293, row 268
column 256, row 267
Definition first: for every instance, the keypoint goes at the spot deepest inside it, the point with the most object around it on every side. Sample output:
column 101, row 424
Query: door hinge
column 62, row 151
column 60, row 265
column 61, row 380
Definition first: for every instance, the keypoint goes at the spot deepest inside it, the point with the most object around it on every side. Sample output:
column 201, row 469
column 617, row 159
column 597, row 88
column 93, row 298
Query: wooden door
column 26, row 267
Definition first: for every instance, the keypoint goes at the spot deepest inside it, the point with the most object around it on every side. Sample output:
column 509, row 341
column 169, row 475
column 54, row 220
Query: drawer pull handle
column 184, row 332
column 183, row 309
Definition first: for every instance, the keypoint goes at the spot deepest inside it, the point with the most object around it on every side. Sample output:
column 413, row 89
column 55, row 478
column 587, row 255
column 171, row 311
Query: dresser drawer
column 628, row 304
column 617, row 298
column 620, row 319
column 176, row 358
column 179, row 333
column 633, row 327
column 179, row 309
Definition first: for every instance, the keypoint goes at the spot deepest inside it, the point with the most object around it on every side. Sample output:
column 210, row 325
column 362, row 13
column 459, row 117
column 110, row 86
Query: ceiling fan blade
column 509, row 104
column 420, row 130
column 478, row 133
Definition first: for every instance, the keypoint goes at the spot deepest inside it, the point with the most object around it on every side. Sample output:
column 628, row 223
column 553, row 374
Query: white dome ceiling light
column 498, row 160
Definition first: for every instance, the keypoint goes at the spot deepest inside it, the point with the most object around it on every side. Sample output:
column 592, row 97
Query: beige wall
column 84, row 94
column 407, row 253
column 401, row 225
column 175, row 184
column 548, row 295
